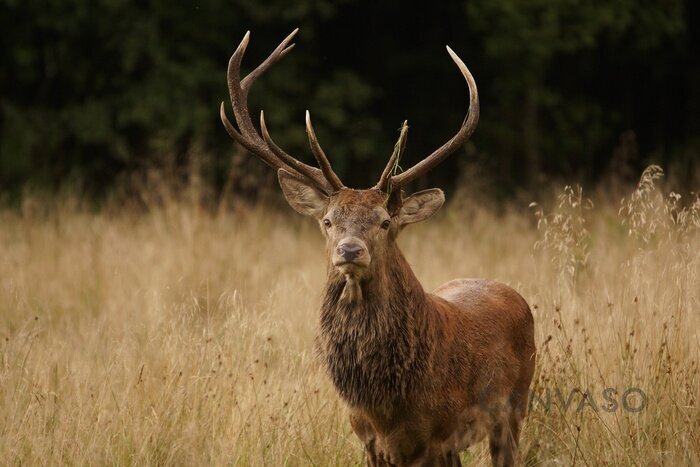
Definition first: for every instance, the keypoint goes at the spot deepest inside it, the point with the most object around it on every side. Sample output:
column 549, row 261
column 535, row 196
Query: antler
column 430, row 162
column 264, row 147
column 321, row 156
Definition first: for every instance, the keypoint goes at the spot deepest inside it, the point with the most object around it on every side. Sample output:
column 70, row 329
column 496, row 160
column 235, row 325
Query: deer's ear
column 302, row 197
column 419, row 206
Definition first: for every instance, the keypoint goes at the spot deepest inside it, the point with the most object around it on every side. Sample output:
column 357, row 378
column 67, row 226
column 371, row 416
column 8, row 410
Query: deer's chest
column 368, row 365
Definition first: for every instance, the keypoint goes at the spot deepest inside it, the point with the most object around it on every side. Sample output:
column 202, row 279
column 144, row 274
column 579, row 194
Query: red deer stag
column 424, row 375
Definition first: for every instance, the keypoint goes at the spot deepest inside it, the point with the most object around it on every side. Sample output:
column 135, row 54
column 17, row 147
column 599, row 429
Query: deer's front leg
column 363, row 429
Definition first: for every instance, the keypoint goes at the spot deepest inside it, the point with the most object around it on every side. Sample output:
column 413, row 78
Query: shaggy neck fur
column 373, row 334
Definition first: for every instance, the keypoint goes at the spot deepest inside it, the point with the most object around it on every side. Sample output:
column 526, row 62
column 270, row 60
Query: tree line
column 92, row 91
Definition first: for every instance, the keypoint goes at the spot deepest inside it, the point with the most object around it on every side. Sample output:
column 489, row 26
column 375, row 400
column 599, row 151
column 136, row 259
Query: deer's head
column 360, row 226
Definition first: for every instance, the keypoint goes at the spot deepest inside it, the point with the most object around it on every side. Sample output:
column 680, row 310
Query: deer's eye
column 386, row 224
column 327, row 222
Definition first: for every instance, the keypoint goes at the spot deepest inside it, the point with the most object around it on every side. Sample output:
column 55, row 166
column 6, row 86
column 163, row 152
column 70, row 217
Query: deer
column 423, row 375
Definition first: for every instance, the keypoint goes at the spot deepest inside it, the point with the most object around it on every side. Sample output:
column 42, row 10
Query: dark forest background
column 96, row 91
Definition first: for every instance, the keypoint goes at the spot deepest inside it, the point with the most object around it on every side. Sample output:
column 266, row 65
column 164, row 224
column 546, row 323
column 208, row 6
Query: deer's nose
column 349, row 252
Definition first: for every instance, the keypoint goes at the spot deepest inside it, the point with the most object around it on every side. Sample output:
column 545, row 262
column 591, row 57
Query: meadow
column 174, row 334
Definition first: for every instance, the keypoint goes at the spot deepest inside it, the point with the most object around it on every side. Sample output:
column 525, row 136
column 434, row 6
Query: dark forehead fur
column 360, row 198
column 356, row 206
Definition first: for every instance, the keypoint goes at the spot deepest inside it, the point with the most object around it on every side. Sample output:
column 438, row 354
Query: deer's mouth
column 353, row 268
column 349, row 267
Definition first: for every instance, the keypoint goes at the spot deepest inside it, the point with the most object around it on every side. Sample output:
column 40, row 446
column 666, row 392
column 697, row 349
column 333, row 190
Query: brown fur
column 424, row 374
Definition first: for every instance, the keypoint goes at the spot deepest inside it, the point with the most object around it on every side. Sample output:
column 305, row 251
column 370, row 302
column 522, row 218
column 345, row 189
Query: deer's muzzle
column 351, row 251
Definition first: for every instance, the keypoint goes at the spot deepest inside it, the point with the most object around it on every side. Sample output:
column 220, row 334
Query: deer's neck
column 375, row 345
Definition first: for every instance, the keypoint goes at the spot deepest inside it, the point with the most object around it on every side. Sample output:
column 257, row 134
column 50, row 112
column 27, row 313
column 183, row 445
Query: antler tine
column 383, row 183
column 466, row 130
column 321, row 156
column 239, row 100
column 310, row 172
column 280, row 51
column 246, row 134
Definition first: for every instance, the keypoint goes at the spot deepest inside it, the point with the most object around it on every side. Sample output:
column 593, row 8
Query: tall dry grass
column 181, row 337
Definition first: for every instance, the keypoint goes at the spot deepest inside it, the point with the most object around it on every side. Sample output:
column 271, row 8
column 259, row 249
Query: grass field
column 180, row 336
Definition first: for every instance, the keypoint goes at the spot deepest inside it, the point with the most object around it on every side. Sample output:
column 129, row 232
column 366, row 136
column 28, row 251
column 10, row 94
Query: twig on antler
column 395, row 159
